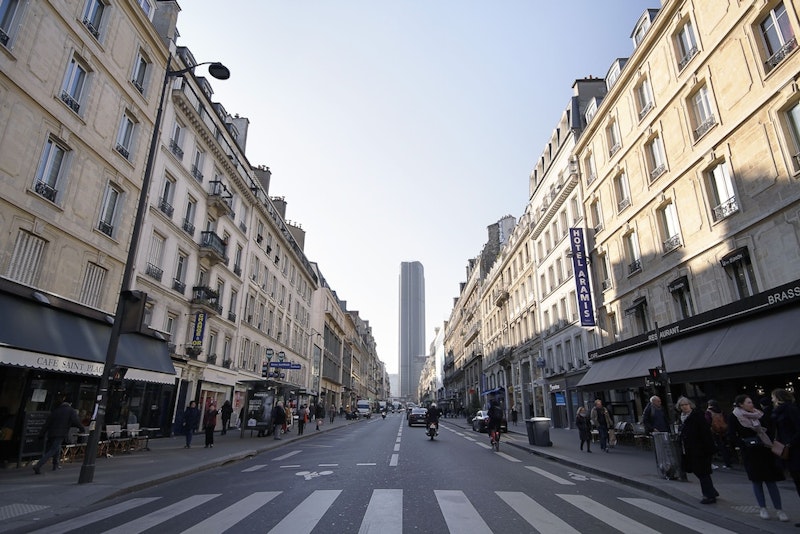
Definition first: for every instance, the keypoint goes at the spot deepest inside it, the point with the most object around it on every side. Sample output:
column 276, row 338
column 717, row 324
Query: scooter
column 432, row 430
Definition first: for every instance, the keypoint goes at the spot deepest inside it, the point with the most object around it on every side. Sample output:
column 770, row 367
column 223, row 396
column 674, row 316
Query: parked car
column 481, row 421
column 417, row 416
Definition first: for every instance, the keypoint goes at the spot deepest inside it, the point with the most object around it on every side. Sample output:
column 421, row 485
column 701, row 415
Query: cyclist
column 495, row 420
column 432, row 416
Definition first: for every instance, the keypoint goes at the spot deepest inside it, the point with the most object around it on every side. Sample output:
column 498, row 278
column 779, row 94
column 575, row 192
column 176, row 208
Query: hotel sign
column 580, row 266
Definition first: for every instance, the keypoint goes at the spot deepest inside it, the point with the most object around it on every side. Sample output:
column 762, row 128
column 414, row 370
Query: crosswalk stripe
column 508, row 457
column 551, row 476
column 614, row 519
column 287, row 455
column 459, row 514
column 99, row 515
column 384, row 513
column 254, row 468
column 225, row 519
column 150, row 520
column 304, row 517
column 482, row 444
column 698, row 525
column 539, row 517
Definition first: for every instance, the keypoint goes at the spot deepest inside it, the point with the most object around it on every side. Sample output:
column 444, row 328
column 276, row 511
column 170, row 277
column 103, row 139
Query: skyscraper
column 412, row 325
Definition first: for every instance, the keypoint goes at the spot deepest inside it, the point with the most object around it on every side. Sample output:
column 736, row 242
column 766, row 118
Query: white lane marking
column 384, row 513
column 482, row 444
column 328, row 465
column 99, row 515
column 289, row 465
column 669, row 514
column 367, row 463
column 469, row 438
column 396, row 447
column 152, row 519
column 304, row 517
column 535, row 514
column 583, row 478
column 397, row 440
column 508, row 457
column 254, row 468
column 394, row 460
column 459, row 514
column 227, row 518
column 287, row 455
column 608, row 516
column 313, row 474
column 551, row 476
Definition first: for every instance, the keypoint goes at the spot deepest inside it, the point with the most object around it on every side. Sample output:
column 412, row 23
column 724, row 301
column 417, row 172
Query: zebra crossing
column 385, row 514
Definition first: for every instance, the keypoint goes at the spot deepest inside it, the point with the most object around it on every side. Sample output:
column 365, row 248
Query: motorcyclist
column 495, row 418
column 432, row 416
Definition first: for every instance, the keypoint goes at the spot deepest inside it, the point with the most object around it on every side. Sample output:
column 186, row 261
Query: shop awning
column 755, row 340
column 494, row 391
column 73, row 342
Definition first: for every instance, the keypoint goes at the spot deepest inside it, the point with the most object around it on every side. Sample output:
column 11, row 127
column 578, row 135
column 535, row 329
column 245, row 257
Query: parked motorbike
column 432, row 430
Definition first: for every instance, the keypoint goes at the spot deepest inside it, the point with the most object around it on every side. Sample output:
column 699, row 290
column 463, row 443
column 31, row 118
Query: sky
column 400, row 130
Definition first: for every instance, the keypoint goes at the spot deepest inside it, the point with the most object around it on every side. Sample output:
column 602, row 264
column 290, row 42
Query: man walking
column 226, row 412
column 278, row 420
column 61, row 419
column 601, row 420
column 653, row 418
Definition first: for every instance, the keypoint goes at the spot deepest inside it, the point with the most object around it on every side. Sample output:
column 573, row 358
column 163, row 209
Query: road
column 383, row 477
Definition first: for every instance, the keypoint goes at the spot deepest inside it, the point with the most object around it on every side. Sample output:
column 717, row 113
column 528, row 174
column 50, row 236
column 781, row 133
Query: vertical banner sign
column 199, row 328
column 580, row 266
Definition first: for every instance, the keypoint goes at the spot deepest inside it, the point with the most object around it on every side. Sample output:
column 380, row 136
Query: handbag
column 751, row 442
column 780, row 450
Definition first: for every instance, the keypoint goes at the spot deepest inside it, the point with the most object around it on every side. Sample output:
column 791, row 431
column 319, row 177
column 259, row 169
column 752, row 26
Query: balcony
column 154, row 272
column 106, row 228
column 198, row 175
column 658, row 171
column 645, row 110
column 178, row 286
column 212, row 247
column 124, row 152
column 500, row 297
column 672, row 243
column 165, row 207
column 242, row 227
column 219, row 199
column 614, row 149
column 175, row 148
column 138, row 85
column 635, row 266
column 704, row 127
column 47, row 191
column 237, row 270
column 211, row 359
column 687, row 57
column 226, row 364
column 726, row 209
column 206, row 298
column 624, row 203
column 781, row 54
column 232, row 317
column 89, row 26
column 70, row 101
column 188, row 227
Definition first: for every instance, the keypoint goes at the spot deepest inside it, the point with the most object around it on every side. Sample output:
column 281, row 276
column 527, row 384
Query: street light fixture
column 221, row 72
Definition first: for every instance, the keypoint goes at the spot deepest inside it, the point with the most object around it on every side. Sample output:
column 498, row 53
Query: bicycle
column 494, row 434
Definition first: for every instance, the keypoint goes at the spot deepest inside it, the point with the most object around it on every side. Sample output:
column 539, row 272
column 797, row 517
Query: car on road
column 417, row 416
column 481, row 421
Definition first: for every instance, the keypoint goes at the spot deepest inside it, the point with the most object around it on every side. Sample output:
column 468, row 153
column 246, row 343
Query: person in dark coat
column 226, row 411
column 746, row 431
column 653, row 417
column 278, row 420
column 210, row 423
column 786, row 417
column 602, row 421
column 319, row 414
column 56, row 427
column 584, row 428
column 191, row 418
column 698, row 447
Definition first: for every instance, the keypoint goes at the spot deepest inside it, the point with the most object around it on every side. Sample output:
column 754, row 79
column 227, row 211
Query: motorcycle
column 432, row 430
column 383, row 414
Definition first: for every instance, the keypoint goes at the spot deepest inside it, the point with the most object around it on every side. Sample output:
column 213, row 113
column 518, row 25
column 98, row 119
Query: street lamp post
column 221, row 72
column 665, row 376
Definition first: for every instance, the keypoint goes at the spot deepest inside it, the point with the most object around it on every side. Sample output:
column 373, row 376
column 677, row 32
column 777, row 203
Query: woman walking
column 698, row 448
column 210, row 423
column 584, row 428
column 745, row 429
column 786, row 417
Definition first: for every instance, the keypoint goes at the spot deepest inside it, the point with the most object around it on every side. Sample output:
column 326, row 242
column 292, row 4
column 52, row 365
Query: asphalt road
column 384, row 477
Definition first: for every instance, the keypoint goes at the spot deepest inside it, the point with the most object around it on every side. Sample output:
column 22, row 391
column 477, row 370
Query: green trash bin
column 531, row 431
column 541, row 432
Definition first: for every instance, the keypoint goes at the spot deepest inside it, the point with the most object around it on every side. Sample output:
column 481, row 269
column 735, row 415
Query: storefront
column 51, row 347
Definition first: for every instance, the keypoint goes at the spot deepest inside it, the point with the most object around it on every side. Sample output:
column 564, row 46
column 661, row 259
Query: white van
column 363, row 408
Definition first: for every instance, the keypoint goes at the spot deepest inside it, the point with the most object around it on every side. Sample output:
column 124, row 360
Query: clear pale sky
column 399, row 130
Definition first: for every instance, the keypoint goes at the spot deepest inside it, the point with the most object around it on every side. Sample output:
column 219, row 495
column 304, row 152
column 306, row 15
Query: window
column 181, row 266
column 641, row 29
column 232, row 305
column 632, row 253
column 147, row 7
column 740, row 270
column 679, row 289
column 668, row 225
column 93, row 16
column 125, row 136
column 155, row 257
column 591, row 170
column 612, row 135
column 656, row 161
column 108, row 210
column 237, row 260
column 702, row 114
column 604, row 273
column 51, row 169
column 597, row 215
column 686, row 44
column 644, row 98
column 74, row 84
column 622, row 191
column 722, row 196
column 141, row 68
column 197, row 165
column 176, row 140
column 26, row 259
column 792, row 124
column 188, row 219
column 776, row 31
column 92, row 285
column 639, row 313
column 9, row 9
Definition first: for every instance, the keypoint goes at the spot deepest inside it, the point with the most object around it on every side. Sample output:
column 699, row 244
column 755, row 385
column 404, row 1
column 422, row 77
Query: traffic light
column 656, row 374
column 264, row 369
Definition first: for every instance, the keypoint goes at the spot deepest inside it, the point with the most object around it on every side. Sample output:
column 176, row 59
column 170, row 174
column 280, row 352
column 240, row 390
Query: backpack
column 718, row 423
column 497, row 413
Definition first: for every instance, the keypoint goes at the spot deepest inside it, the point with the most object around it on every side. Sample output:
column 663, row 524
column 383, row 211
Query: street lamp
column 221, row 72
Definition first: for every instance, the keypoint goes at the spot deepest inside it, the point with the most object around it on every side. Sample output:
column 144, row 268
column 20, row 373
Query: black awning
column 44, row 330
column 494, row 391
column 733, row 256
column 678, row 284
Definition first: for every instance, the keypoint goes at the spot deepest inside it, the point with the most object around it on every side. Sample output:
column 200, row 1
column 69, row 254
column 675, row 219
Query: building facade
column 412, row 326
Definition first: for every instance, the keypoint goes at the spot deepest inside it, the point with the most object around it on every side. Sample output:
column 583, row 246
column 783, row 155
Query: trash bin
column 667, row 448
column 539, row 431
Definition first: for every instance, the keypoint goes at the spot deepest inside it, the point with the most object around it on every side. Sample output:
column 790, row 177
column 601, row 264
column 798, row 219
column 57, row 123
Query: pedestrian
column 319, row 414
column 226, row 411
column 602, row 421
column 332, row 413
column 278, row 420
column 56, row 427
column 584, row 428
column 514, row 415
column 302, row 419
column 653, row 418
column 210, row 423
column 786, row 418
column 697, row 446
column 719, row 431
column 746, row 430
column 289, row 419
column 191, row 418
